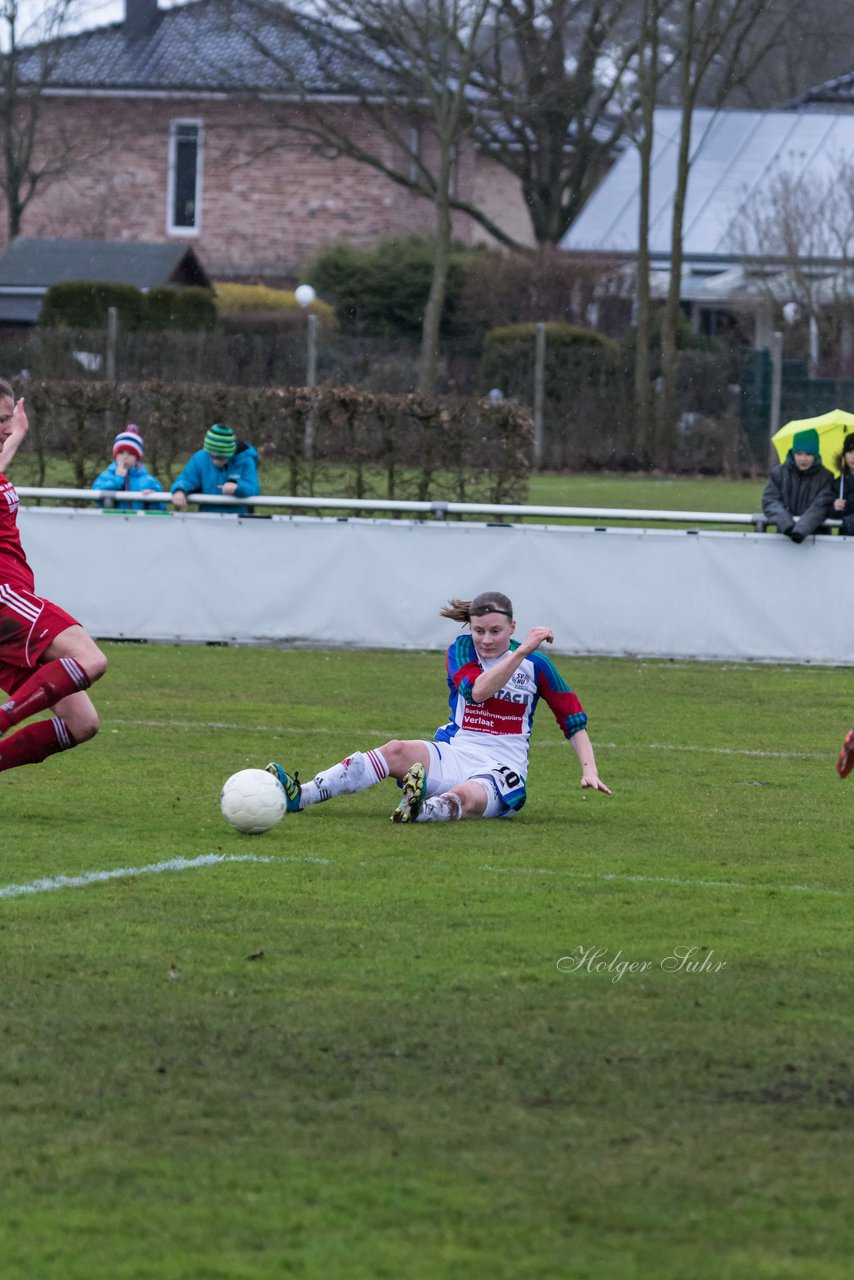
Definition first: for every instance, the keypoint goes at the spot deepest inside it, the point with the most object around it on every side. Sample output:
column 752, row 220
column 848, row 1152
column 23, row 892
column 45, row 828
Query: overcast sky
column 87, row 13
column 97, row 12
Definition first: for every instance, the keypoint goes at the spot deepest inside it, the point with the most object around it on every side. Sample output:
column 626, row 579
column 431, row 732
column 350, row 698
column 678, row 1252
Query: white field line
column 537, row 746
column 744, row 751
column 686, row 882
column 50, row 883
column 225, row 725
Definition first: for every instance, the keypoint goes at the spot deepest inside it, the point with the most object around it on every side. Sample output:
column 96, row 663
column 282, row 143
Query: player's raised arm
column 489, row 682
column 13, row 427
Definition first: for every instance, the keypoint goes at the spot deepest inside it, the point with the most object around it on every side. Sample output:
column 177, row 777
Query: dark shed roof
column 33, row 263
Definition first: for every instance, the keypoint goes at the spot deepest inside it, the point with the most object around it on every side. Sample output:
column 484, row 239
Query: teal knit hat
column 805, row 442
column 220, row 441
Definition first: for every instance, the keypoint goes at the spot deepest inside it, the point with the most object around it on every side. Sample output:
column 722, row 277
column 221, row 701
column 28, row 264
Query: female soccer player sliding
column 46, row 658
column 475, row 765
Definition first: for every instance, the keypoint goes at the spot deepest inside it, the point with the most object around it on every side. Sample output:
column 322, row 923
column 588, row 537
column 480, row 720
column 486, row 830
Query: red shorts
column 28, row 624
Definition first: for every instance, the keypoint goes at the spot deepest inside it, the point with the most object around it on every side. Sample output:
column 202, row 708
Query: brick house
column 173, row 121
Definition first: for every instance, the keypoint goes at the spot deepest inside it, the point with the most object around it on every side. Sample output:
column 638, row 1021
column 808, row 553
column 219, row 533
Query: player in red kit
column 46, row 657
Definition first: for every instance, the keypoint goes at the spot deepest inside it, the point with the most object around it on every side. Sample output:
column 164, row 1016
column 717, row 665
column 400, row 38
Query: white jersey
column 499, row 729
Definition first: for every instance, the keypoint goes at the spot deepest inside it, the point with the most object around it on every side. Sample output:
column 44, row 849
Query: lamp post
column 305, row 296
column 539, row 390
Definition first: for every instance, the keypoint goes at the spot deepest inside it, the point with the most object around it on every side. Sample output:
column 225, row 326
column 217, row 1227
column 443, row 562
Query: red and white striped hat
column 129, row 441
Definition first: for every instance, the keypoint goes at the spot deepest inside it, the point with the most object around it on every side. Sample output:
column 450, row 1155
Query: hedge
column 382, row 446
column 191, row 309
column 259, row 309
column 587, row 409
column 384, row 289
column 83, row 305
column 508, row 353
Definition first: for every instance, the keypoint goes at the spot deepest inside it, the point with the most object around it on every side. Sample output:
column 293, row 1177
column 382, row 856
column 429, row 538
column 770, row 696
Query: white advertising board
column 381, row 583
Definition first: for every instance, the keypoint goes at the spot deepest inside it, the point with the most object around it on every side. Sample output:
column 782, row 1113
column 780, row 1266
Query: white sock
column 359, row 771
column 445, row 808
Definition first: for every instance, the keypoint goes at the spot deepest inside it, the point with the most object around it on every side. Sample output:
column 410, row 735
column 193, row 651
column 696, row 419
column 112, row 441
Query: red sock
column 34, row 743
column 45, row 686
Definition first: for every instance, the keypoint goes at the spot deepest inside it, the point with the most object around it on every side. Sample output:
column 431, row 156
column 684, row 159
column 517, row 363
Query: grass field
column 656, row 492
column 347, row 1050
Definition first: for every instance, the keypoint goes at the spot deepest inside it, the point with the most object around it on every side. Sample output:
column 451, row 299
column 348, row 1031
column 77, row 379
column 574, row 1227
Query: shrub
column 83, row 304
column 190, row 309
column 557, row 334
column 275, row 324
column 256, row 308
column 254, row 297
column 384, row 289
column 511, row 288
column 508, row 355
column 584, row 415
column 711, row 446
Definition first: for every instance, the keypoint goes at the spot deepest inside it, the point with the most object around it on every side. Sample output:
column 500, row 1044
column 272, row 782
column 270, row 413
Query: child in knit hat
column 224, row 465
column 798, row 497
column 128, row 473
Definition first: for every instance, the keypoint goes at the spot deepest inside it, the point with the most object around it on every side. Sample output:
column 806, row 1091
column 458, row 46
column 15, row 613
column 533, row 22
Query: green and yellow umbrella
column 832, row 429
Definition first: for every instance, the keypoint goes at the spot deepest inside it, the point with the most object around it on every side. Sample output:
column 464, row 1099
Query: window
column 185, row 177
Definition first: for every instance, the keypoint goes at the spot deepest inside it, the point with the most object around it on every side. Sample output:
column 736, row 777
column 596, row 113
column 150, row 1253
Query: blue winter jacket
column 139, row 477
column 201, row 476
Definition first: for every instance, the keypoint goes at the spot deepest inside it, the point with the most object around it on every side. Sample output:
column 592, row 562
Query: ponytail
column 457, row 611
column 487, row 602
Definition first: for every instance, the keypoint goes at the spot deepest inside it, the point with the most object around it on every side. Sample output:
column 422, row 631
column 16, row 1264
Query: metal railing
column 435, row 510
column 110, row 499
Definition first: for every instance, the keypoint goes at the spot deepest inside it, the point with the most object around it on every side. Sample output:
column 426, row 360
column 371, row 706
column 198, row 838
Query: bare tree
column 551, row 72
column 407, row 68
column 798, row 235
column 707, row 35
column 32, row 154
column 807, row 44
column 653, row 64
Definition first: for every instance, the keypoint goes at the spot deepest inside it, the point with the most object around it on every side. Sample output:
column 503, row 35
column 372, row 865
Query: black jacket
column 846, row 516
column 806, row 494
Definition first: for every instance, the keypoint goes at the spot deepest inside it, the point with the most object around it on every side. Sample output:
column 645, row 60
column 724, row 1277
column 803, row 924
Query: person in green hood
column 798, row 497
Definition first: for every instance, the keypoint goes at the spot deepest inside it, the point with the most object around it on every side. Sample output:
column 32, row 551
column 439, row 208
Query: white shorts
column 450, row 765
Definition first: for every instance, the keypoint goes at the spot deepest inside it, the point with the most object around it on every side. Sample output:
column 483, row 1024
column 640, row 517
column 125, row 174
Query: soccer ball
column 252, row 801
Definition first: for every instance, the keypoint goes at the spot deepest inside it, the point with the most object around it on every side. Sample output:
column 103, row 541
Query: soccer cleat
column 414, row 794
column 845, row 763
column 290, row 785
